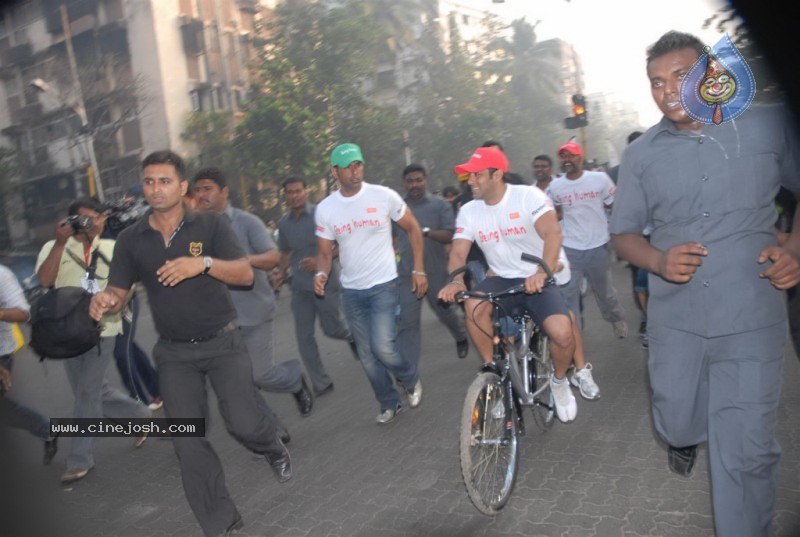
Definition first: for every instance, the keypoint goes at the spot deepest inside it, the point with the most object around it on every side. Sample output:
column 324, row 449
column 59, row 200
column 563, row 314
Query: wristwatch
column 207, row 261
column 425, row 231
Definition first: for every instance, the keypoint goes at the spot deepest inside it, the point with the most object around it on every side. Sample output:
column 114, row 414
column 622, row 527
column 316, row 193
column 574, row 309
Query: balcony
column 192, row 36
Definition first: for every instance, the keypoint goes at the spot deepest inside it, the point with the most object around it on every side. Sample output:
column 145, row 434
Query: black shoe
column 352, row 343
column 50, row 449
column 281, row 463
column 462, row 347
column 234, row 527
column 304, row 398
column 283, row 434
column 681, row 460
column 325, row 390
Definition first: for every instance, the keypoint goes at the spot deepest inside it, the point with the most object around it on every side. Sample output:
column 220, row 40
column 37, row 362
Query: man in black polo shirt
column 185, row 261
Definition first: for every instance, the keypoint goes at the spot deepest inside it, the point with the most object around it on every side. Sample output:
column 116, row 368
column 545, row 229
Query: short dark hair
column 293, row 179
column 450, row 190
column 212, row 174
column 671, row 41
column 543, row 157
column 166, row 157
column 92, row 204
column 414, row 168
column 492, row 143
column 633, row 136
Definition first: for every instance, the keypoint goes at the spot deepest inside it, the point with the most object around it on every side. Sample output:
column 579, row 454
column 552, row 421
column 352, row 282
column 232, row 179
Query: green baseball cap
column 346, row 154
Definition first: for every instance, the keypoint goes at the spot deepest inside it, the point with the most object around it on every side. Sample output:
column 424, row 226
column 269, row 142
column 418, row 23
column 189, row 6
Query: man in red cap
column 506, row 221
column 584, row 197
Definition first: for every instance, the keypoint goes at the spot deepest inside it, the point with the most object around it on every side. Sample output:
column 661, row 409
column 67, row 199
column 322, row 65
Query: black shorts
column 540, row 306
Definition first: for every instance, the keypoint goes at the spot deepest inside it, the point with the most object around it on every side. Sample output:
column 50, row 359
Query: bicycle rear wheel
column 541, row 370
column 489, row 453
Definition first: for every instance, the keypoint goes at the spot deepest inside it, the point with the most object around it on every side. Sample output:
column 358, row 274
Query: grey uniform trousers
column 96, row 398
column 594, row 264
column 182, row 372
column 409, row 338
column 283, row 377
column 725, row 391
column 306, row 306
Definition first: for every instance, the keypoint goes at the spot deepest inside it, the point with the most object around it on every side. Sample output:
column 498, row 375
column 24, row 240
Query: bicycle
column 491, row 422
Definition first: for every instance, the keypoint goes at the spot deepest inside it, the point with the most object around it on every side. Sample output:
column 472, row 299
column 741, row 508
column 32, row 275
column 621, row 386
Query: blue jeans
column 371, row 314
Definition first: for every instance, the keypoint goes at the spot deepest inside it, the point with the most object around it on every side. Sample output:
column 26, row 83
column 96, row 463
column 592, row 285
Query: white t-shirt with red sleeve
column 583, row 204
column 362, row 225
column 505, row 231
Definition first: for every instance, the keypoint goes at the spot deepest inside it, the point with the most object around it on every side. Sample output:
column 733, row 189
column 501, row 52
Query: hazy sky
column 611, row 37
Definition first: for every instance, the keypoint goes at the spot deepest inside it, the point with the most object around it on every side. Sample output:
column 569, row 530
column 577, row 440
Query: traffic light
column 579, row 118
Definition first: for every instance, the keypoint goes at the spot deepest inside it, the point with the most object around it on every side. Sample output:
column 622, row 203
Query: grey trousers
column 409, row 339
column 95, row 398
column 725, row 391
column 182, row 372
column 594, row 264
column 306, row 306
column 283, row 377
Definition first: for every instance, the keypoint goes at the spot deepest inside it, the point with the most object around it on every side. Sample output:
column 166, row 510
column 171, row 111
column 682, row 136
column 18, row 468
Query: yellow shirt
column 70, row 272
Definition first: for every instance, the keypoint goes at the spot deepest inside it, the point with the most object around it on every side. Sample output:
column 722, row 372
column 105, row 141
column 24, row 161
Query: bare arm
column 48, row 271
column 14, row 315
column 265, row 261
column 324, row 260
column 549, row 230
column 444, row 236
column 458, row 258
column 228, row 271
column 784, row 273
column 110, row 301
column 678, row 264
column 419, row 280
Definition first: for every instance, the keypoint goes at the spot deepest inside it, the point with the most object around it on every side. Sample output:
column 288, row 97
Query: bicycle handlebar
column 514, row 289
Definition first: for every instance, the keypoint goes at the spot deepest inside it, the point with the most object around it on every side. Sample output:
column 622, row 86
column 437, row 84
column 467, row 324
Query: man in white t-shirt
column 584, row 197
column 359, row 218
column 507, row 221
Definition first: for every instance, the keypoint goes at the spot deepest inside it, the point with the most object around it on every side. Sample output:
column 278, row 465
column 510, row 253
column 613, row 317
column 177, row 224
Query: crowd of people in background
column 362, row 260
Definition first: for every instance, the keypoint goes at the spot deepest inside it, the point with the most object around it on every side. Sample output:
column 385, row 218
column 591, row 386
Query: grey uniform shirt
column 298, row 235
column 717, row 188
column 432, row 212
column 257, row 304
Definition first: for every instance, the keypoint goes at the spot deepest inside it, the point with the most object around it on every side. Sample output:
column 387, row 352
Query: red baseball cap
column 482, row 159
column 571, row 147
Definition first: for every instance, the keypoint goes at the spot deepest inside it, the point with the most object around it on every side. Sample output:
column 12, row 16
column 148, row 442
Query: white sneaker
column 415, row 395
column 388, row 415
column 566, row 406
column 583, row 380
column 620, row 329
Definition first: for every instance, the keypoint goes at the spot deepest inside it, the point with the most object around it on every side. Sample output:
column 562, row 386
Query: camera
column 80, row 223
column 124, row 212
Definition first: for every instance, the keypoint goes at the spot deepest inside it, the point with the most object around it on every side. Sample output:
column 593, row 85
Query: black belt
column 230, row 327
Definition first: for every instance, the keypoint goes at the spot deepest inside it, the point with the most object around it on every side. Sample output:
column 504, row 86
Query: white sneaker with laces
column 582, row 379
column 415, row 395
column 566, row 406
column 388, row 415
column 620, row 329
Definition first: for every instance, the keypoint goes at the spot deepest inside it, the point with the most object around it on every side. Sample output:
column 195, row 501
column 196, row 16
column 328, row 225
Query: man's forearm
column 232, row 272
column 633, row 247
column 48, row 271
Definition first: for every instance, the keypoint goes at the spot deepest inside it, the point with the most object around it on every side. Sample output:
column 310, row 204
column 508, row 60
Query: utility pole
column 80, row 108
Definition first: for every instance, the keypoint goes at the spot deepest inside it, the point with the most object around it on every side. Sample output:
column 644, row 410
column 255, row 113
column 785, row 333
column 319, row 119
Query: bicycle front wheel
column 489, row 444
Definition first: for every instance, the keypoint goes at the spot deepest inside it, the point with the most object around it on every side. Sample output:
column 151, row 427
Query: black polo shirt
column 195, row 307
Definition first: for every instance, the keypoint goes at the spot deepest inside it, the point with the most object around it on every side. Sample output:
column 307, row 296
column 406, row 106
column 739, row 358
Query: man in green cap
column 359, row 218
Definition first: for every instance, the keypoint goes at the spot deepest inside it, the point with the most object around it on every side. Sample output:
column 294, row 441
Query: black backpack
column 60, row 323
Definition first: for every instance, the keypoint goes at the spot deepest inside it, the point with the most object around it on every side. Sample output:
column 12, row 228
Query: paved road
column 603, row 475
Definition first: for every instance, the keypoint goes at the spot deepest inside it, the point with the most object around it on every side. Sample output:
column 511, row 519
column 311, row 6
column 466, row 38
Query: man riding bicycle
column 507, row 221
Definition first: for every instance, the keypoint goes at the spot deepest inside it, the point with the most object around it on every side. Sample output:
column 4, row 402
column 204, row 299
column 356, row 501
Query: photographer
column 63, row 262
